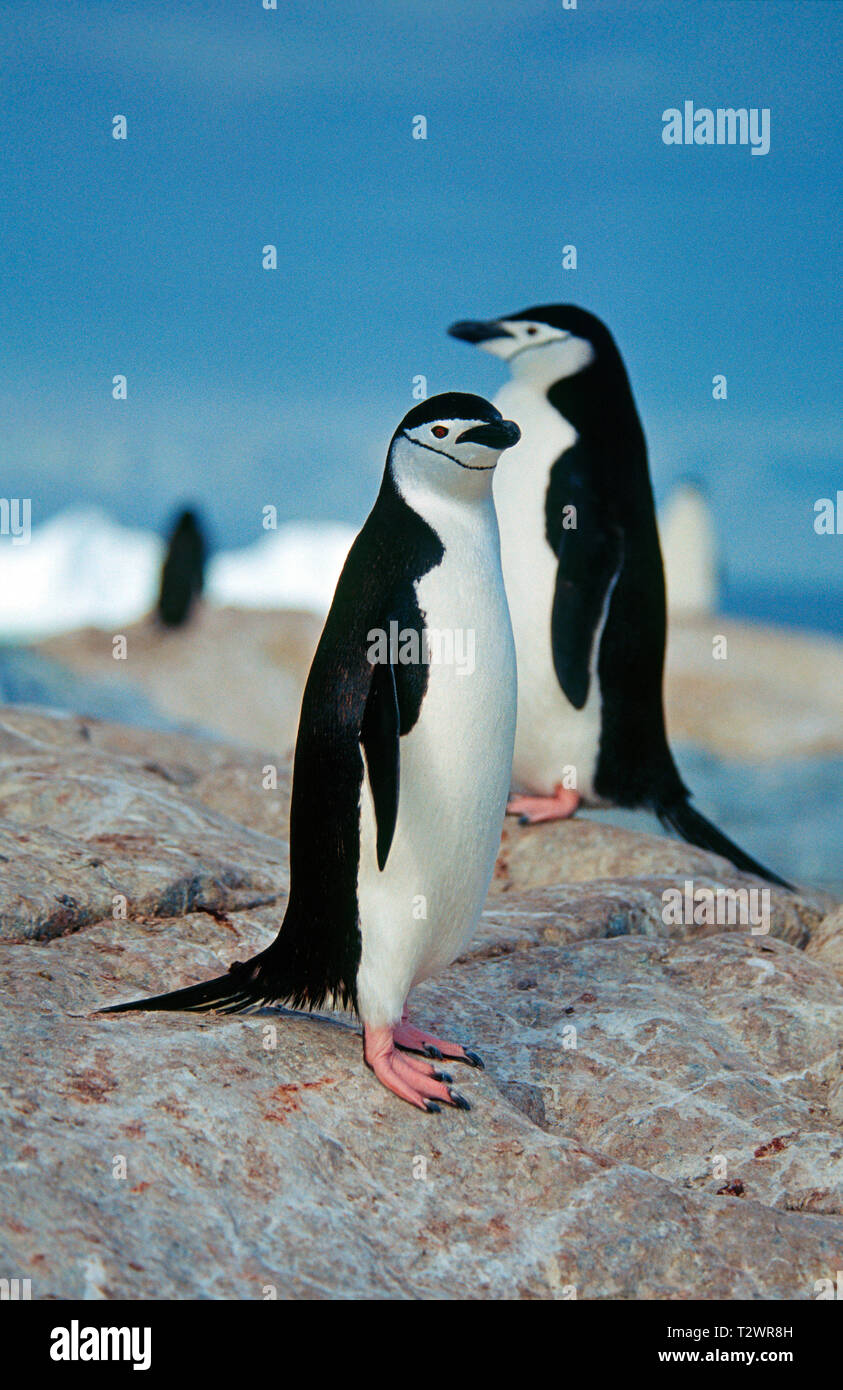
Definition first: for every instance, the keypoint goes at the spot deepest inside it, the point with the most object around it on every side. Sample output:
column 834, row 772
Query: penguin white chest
column 552, row 735
column 417, row 914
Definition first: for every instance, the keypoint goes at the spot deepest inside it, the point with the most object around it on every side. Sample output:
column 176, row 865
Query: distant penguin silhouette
column 183, row 571
column 689, row 550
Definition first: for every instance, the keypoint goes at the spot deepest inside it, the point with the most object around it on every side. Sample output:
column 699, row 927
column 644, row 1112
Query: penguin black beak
column 500, row 434
column 476, row 331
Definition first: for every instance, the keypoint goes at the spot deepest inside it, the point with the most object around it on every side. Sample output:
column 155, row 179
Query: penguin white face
column 475, row 444
column 451, row 443
column 532, row 348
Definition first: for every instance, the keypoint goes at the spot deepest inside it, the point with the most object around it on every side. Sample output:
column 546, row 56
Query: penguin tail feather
column 692, row 826
column 233, row 993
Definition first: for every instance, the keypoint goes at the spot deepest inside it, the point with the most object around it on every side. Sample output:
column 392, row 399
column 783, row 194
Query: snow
column 79, row 569
column 83, row 569
column 296, row 566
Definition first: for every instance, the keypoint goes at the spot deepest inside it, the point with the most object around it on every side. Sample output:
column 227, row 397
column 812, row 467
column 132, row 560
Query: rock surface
column 79, row 829
column 758, row 736
column 775, row 693
column 233, row 670
column 661, row 1114
column 239, row 673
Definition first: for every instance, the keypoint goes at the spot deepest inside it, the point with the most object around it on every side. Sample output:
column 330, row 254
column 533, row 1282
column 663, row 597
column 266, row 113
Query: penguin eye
column 440, row 431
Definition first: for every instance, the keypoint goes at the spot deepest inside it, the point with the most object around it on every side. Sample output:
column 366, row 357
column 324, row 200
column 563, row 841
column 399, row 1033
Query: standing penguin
column 403, row 757
column 183, row 571
column 584, row 579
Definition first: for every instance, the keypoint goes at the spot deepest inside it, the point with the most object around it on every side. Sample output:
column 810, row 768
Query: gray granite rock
column 660, row 1116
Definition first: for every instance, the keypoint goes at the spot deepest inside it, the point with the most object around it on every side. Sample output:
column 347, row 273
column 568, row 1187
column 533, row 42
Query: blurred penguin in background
column 689, row 550
column 183, row 571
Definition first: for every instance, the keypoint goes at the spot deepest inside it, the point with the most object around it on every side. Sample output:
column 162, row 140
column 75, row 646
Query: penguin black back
column 606, row 474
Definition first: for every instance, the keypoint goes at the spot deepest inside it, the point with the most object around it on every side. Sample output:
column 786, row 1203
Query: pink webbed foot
column 532, row 810
column 408, row 1077
column 412, row 1039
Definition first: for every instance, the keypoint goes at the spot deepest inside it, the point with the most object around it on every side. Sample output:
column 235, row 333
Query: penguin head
column 451, row 443
column 544, row 344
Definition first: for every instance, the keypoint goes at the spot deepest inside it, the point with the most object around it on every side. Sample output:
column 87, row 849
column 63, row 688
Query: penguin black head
column 548, row 343
column 450, row 439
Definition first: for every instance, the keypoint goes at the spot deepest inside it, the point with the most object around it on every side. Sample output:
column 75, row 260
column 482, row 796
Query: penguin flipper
column 379, row 735
column 590, row 557
column 693, row 827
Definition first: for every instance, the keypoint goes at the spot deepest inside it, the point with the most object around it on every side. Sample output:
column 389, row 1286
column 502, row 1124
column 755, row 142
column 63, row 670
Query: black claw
column 442, row 1076
column 433, row 1052
column 459, row 1101
column 474, row 1059
column 432, row 1108
column 524, row 820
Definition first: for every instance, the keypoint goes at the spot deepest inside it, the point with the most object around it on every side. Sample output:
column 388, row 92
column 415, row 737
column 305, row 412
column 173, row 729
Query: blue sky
column 293, row 126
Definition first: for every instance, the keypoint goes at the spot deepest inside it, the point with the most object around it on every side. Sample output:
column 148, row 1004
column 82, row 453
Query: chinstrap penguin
column 584, row 579
column 403, row 757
